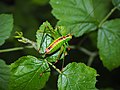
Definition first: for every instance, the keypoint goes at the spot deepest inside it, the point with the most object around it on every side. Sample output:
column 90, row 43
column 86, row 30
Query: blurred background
column 28, row 16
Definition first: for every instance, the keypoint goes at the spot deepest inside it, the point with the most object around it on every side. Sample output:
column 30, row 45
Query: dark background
column 28, row 16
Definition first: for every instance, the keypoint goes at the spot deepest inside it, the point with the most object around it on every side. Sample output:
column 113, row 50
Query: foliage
column 6, row 26
column 4, row 75
column 108, row 39
column 83, row 19
column 83, row 14
column 26, row 73
column 76, row 17
column 77, row 76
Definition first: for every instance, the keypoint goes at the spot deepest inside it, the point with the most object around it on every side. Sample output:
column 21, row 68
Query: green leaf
column 43, row 40
column 29, row 73
column 109, row 43
column 6, row 26
column 116, row 3
column 77, row 76
column 79, row 16
column 4, row 75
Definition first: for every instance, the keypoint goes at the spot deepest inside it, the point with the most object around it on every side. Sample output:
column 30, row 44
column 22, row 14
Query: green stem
column 85, row 51
column 14, row 49
column 91, row 58
column 91, row 55
column 55, row 67
column 112, row 10
column 30, row 42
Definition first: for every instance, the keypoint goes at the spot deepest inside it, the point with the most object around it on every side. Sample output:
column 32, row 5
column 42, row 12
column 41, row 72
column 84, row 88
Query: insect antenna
column 64, row 53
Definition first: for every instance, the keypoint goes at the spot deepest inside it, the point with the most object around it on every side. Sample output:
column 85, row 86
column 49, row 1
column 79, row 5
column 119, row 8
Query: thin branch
column 91, row 58
column 55, row 67
column 14, row 49
column 85, row 51
column 91, row 55
column 108, row 15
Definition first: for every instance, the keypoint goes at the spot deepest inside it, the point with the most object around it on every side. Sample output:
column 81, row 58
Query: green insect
column 58, row 43
column 57, row 48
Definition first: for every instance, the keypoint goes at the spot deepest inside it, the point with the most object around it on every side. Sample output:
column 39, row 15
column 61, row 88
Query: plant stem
column 91, row 58
column 30, row 42
column 91, row 55
column 112, row 10
column 85, row 51
column 14, row 49
column 55, row 67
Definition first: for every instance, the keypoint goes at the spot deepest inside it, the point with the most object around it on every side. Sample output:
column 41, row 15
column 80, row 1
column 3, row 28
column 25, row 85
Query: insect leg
column 60, row 53
column 68, row 46
column 64, row 53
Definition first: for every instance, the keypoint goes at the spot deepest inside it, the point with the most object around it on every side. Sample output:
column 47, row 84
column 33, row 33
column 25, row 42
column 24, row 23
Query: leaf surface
column 109, row 43
column 79, row 16
column 6, row 26
column 4, row 75
column 29, row 73
column 43, row 40
column 77, row 76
